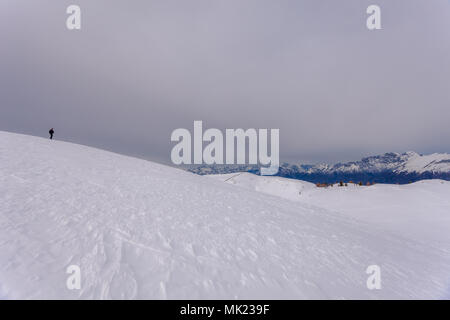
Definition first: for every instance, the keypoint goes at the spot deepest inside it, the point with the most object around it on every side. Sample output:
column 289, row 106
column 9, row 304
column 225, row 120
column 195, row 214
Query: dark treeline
column 364, row 177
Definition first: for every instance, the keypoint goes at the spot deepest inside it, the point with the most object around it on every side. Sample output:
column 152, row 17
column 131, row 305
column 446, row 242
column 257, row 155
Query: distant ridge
column 387, row 168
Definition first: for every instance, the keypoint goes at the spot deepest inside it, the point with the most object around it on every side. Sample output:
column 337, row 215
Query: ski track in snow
column 142, row 230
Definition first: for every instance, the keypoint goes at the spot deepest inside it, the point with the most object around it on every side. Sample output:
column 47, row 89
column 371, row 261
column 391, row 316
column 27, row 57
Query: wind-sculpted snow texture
column 138, row 230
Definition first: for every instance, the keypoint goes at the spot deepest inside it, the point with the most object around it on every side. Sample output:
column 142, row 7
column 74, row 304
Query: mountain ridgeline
column 391, row 167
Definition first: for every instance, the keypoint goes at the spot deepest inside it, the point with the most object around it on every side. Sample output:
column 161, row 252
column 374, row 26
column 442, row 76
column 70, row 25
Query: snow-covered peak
column 395, row 162
column 436, row 162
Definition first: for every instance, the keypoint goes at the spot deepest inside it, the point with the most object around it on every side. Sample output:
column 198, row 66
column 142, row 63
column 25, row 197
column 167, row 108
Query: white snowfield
column 142, row 230
column 420, row 211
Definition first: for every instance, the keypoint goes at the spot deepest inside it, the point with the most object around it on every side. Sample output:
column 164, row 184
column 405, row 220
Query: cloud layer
column 138, row 70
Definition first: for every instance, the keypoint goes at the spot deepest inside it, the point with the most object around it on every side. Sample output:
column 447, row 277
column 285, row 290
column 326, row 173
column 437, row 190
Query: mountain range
column 390, row 167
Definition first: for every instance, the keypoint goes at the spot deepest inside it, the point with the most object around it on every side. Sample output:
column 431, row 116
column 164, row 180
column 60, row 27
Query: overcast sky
column 137, row 70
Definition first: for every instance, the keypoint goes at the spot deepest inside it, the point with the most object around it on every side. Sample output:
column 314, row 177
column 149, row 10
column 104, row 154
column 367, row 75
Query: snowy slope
column 420, row 211
column 273, row 185
column 142, row 230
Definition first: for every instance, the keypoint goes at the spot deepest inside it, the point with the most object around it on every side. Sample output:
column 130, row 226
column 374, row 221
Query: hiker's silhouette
column 51, row 133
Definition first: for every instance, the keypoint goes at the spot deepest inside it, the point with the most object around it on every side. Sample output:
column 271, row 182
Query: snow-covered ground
column 143, row 230
column 420, row 211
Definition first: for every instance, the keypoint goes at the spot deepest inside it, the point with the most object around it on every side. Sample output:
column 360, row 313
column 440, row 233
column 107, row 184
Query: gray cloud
column 138, row 70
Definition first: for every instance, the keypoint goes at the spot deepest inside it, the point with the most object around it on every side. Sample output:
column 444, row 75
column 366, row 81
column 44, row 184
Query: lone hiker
column 51, row 133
